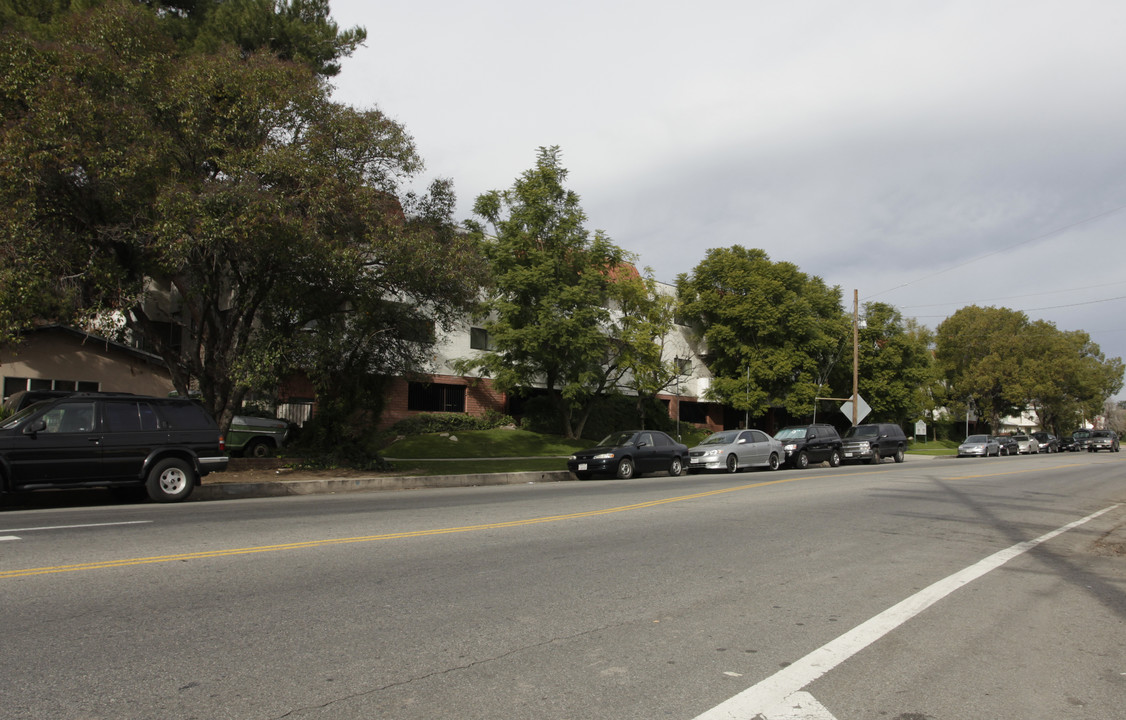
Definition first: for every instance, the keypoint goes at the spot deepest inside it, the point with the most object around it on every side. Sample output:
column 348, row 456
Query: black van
column 85, row 440
column 805, row 444
column 873, row 442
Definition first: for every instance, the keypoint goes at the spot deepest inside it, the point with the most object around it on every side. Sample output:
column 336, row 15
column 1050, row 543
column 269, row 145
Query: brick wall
column 480, row 396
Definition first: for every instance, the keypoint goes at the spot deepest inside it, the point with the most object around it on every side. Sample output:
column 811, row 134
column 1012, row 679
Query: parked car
column 256, row 437
column 1027, row 444
column 1068, row 443
column 805, row 444
column 1048, row 442
column 1103, row 440
column 1009, row 445
column 873, row 442
column 83, row 440
column 979, row 446
column 733, row 450
column 630, row 453
column 1081, row 437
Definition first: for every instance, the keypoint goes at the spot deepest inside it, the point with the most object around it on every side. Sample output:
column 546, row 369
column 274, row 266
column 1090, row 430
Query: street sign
column 862, row 409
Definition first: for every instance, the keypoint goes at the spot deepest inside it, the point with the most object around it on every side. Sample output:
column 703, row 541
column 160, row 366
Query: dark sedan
column 1049, row 443
column 630, row 453
column 1008, row 445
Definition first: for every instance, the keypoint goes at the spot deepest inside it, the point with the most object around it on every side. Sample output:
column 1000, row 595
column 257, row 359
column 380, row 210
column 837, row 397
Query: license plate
column 582, row 466
column 848, row 454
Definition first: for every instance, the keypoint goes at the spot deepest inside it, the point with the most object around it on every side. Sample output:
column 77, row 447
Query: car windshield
column 19, row 417
column 790, row 433
column 863, row 431
column 617, row 439
column 977, row 439
column 1020, row 438
column 722, row 438
column 1082, row 433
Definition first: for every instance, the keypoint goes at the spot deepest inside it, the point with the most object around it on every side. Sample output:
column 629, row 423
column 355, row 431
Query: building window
column 479, row 339
column 435, row 397
column 18, row 384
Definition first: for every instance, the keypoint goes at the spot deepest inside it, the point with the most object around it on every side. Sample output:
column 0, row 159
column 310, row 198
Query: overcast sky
column 930, row 155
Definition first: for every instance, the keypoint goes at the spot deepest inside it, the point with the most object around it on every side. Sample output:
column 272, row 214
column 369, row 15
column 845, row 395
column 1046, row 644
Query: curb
column 232, row 491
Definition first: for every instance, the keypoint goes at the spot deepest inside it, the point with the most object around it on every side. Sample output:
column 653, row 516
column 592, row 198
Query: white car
column 1026, row 444
column 733, row 450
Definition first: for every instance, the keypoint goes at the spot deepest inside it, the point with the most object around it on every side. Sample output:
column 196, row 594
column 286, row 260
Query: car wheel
column 170, row 480
column 676, row 467
column 258, row 448
column 876, row 459
column 773, row 462
column 802, row 460
column 732, row 463
column 835, row 459
column 899, row 457
column 625, row 468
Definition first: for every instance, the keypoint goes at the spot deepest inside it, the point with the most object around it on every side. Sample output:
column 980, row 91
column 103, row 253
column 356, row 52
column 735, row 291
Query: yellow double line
column 206, row 554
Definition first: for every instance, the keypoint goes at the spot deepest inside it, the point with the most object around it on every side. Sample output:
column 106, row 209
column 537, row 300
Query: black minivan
column 110, row 440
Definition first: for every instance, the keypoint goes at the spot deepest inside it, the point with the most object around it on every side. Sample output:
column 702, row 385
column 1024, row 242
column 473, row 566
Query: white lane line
column 800, row 706
column 774, row 690
column 8, row 537
column 73, row 527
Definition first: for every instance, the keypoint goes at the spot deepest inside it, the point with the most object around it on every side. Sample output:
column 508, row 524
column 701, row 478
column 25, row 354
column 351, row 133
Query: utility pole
column 855, row 353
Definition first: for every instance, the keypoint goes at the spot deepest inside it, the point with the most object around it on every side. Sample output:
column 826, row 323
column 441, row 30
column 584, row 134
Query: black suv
column 110, row 440
column 874, row 442
column 805, row 444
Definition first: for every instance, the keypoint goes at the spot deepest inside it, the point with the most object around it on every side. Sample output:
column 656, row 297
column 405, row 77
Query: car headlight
column 604, row 456
column 865, row 446
column 790, row 447
column 714, row 452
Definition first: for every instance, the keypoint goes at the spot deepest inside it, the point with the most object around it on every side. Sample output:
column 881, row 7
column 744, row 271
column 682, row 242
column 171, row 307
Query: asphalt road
column 975, row 588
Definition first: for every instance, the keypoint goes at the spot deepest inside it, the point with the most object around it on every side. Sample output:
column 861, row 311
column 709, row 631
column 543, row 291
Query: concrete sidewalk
column 330, row 485
column 279, row 488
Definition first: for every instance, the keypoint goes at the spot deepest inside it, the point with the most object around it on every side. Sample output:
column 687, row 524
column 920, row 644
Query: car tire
column 732, row 463
column 626, row 469
column 774, row 463
column 170, row 480
column 876, row 459
column 835, row 459
column 801, row 461
column 900, row 457
column 258, row 448
column 676, row 467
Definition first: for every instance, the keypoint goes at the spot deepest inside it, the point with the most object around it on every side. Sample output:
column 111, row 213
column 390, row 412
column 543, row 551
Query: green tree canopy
column 553, row 289
column 223, row 191
column 771, row 330
column 296, row 30
column 1005, row 364
column 896, row 370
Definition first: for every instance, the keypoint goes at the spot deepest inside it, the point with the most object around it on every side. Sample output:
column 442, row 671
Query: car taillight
column 222, row 444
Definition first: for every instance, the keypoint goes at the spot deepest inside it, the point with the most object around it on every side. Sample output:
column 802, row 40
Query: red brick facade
column 480, row 396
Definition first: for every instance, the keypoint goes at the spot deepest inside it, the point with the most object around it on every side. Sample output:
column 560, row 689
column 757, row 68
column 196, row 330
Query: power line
column 1034, row 240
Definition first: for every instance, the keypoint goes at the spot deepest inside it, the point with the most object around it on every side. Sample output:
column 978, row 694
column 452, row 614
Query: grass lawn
column 483, row 444
column 932, row 447
column 472, row 467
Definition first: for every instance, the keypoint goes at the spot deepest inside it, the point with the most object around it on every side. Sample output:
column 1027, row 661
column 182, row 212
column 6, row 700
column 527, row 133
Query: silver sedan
column 980, row 446
column 733, row 450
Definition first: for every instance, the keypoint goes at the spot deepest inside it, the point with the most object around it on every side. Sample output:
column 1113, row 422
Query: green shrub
column 449, row 422
column 610, row 413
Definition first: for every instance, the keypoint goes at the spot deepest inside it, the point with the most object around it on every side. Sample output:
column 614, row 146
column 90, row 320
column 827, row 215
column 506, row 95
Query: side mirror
column 36, row 427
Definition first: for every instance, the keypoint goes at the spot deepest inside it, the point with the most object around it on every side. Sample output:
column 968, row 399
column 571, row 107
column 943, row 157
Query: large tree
column 1004, row 363
column 556, row 294
column 226, row 187
column 771, row 330
column 296, row 30
column 896, row 367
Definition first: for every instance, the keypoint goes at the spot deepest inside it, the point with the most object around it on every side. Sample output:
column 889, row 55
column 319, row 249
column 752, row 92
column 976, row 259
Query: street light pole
column 855, row 353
